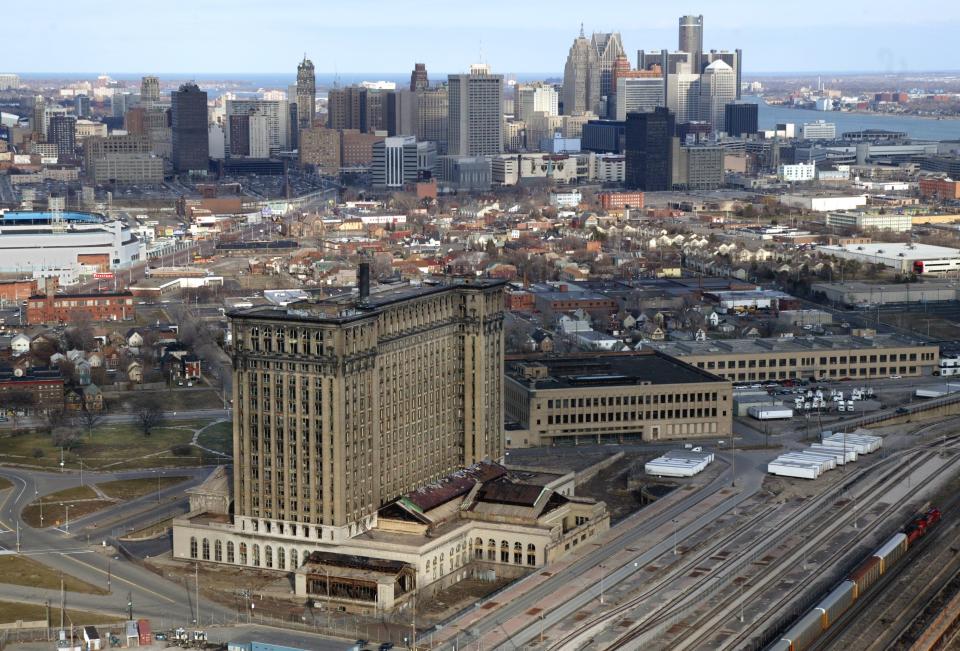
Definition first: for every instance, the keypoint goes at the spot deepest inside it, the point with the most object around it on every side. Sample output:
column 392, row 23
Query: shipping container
column 786, row 469
column 770, row 413
column 146, row 636
column 866, row 574
column 837, row 602
column 891, row 551
column 806, row 631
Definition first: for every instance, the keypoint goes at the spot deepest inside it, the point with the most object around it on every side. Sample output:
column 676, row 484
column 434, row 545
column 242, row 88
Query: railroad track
column 668, row 611
column 713, row 619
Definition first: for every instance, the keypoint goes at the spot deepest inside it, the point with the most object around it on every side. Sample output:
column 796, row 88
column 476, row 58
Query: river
column 915, row 127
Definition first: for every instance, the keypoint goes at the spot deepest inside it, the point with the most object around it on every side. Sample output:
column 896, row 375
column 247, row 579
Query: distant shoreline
column 862, row 112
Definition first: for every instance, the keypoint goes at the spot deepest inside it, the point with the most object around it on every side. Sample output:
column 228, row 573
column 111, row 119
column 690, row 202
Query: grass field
column 128, row 489
column 11, row 612
column 55, row 513
column 116, row 446
column 5, row 483
column 21, row 570
column 70, row 494
column 219, row 437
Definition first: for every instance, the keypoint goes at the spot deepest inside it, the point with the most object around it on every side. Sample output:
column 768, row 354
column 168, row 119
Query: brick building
column 64, row 308
column 940, row 188
column 44, row 386
column 17, row 290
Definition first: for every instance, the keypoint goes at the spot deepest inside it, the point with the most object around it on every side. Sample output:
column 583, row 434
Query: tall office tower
column 691, row 36
column 62, row 132
column 293, row 121
column 394, row 162
column 306, row 94
column 400, row 117
column 581, row 83
column 320, row 147
column 740, row 118
column 536, row 98
column 733, row 59
column 475, row 124
column 188, row 120
column 38, row 119
column 346, row 107
column 237, row 135
column 373, row 110
column 432, row 113
column 376, row 395
column 149, row 90
column 81, row 106
column 119, row 101
column 608, row 47
column 683, row 95
column 418, row 78
column 637, row 94
column 277, row 113
column 649, row 150
column 669, row 62
column 259, row 135
column 717, row 89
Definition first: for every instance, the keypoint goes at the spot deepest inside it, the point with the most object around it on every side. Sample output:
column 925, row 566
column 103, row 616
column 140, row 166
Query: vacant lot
column 115, row 446
column 128, row 489
column 218, row 437
column 21, row 570
column 12, row 612
column 5, row 483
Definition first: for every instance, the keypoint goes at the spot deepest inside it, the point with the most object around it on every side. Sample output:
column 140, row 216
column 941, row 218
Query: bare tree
column 89, row 420
column 149, row 411
column 16, row 403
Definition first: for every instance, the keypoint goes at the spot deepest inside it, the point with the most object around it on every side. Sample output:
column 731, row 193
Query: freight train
column 812, row 625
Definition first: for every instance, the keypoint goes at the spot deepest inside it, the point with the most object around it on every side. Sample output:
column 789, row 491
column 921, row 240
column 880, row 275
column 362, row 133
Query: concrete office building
column 637, row 94
column 394, row 162
column 741, row 119
column 238, row 135
column 346, row 108
column 797, row 173
column 602, row 398
column 259, row 131
column 649, row 150
column 699, row 167
column 9, row 81
column 122, row 159
column 860, row 221
column 81, row 106
column 718, row 87
column 475, row 123
column 844, row 356
column 400, row 112
column 819, row 130
column 539, row 97
column 188, row 120
column 306, row 94
column 277, row 114
column 683, row 96
column 431, row 119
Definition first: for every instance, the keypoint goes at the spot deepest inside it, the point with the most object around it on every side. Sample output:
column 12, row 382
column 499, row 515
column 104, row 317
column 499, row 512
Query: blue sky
column 257, row 36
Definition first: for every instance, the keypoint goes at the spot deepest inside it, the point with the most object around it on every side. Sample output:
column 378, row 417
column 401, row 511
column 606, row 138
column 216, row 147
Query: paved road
column 152, row 596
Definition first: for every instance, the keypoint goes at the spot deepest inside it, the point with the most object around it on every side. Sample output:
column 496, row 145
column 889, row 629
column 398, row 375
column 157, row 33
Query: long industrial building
column 834, row 357
column 613, row 398
column 65, row 244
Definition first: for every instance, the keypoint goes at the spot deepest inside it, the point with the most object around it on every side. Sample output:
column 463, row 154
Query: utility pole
column 196, row 576
column 129, row 605
column 413, row 624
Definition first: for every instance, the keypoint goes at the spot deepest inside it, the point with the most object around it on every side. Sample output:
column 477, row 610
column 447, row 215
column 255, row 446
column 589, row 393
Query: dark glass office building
column 740, row 118
column 649, row 142
column 603, row 136
column 188, row 117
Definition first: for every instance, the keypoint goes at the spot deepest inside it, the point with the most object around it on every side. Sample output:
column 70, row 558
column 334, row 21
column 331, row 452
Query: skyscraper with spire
column 607, row 47
column 581, row 83
column 306, row 93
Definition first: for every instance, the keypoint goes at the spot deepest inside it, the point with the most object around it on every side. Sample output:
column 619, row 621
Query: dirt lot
column 457, row 597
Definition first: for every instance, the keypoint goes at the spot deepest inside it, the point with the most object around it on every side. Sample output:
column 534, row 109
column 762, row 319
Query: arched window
column 517, row 547
column 268, row 555
column 492, row 543
column 306, row 557
column 293, row 559
column 479, row 542
column 206, row 549
column 504, row 551
column 531, row 554
column 218, row 551
column 256, row 555
column 243, row 553
column 281, row 558
column 504, row 544
column 230, row 556
column 193, row 546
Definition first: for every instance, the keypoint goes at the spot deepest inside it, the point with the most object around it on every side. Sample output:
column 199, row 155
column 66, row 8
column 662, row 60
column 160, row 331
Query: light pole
column 66, row 509
column 603, row 570
column 674, row 536
column 36, row 496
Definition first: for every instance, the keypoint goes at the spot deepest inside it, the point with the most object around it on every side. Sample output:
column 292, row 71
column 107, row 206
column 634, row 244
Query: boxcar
column 891, row 551
column 804, row 632
column 837, row 602
column 866, row 574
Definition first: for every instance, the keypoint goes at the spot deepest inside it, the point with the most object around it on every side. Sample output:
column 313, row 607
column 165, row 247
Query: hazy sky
column 264, row 36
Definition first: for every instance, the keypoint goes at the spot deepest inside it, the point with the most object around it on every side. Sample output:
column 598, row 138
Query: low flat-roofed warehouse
column 608, row 398
column 791, row 358
column 857, row 294
column 897, row 255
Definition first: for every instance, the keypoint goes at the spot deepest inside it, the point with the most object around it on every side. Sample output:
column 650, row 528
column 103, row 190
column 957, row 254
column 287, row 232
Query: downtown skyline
column 857, row 37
